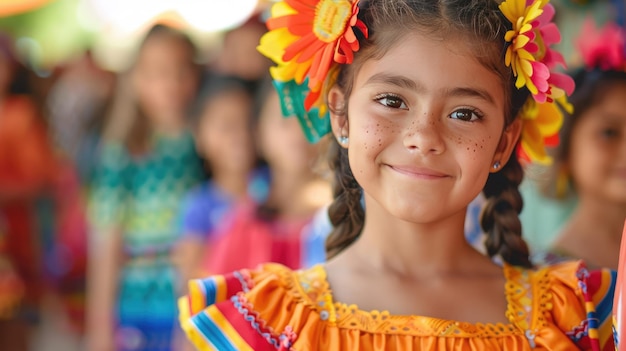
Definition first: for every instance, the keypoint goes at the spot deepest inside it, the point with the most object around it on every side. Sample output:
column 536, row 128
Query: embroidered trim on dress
column 530, row 300
column 245, row 279
column 282, row 341
column 311, row 288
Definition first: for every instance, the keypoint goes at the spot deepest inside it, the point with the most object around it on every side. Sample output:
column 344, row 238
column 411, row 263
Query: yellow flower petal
column 520, row 81
column 532, row 143
column 549, row 119
column 510, row 35
column 512, row 9
column 525, row 28
column 525, row 55
column 281, row 8
column 520, row 41
column 526, row 67
column 508, row 55
column 273, row 44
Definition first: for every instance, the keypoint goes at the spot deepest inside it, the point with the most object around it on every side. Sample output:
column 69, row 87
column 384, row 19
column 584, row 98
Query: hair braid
column 346, row 212
column 500, row 215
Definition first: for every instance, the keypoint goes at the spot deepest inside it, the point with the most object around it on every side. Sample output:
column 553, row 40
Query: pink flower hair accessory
column 533, row 61
column 602, row 48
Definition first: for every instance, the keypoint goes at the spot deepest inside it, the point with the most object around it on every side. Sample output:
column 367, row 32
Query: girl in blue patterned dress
column 148, row 162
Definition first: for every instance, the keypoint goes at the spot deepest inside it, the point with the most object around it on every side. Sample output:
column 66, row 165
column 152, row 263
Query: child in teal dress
column 148, row 162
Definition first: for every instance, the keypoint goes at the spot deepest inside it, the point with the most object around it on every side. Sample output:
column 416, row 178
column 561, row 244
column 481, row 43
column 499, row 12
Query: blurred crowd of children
column 115, row 189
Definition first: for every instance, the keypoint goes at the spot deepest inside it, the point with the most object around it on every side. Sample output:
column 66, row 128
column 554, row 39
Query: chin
column 414, row 214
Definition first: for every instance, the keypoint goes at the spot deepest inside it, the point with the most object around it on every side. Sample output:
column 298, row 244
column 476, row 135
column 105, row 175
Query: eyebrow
column 471, row 92
column 399, row 81
column 407, row 83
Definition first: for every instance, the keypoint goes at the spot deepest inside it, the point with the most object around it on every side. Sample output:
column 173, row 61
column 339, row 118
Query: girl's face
column 225, row 133
column 282, row 142
column 425, row 126
column 597, row 158
column 165, row 78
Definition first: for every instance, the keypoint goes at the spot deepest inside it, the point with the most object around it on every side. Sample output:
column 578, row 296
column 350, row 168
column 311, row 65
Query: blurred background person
column 543, row 217
column 238, row 55
column 224, row 124
column 273, row 230
column 26, row 174
column 76, row 104
column 147, row 164
column 590, row 162
column 78, row 95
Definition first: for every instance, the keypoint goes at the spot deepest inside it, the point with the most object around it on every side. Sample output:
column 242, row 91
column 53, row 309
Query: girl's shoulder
column 565, row 295
column 238, row 311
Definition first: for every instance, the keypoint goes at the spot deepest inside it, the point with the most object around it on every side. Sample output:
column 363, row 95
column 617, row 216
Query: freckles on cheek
column 475, row 147
column 375, row 133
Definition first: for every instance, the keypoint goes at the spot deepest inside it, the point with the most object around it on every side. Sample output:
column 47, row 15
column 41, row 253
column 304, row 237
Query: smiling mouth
column 418, row 172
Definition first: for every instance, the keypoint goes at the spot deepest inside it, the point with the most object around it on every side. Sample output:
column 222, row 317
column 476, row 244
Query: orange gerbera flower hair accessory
column 532, row 60
column 307, row 40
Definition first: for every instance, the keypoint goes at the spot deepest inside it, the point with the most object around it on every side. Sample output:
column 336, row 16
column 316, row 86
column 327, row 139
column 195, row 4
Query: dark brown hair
column 481, row 23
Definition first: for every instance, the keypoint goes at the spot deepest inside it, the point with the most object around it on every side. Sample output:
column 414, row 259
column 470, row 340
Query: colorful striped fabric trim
column 604, row 281
column 212, row 290
column 597, row 289
column 210, row 330
column 233, row 325
column 216, row 316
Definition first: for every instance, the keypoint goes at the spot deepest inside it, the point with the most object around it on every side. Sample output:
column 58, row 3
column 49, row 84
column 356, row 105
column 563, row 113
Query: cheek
column 373, row 133
column 368, row 138
column 474, row 148
column 586, row 160
column 189, row 86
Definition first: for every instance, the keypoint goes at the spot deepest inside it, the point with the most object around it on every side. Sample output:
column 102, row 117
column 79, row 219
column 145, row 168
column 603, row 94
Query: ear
column 508, row 142
column 338, row 116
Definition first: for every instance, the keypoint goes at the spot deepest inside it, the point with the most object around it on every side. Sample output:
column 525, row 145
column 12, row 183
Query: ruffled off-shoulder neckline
column 312, row 289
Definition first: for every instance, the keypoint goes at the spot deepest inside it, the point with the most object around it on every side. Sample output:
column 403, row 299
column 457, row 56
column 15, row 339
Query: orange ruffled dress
column 563, row 307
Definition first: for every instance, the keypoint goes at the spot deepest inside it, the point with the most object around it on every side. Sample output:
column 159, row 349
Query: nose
column 424, row 134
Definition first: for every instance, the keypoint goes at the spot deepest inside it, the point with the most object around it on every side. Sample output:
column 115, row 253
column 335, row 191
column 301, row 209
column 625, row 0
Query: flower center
column 330, row 19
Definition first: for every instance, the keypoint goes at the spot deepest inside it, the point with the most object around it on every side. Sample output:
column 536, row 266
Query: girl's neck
column 593, row 233
column 169, row 126
column 235, row 185
column 599, row 217
column 404, row 248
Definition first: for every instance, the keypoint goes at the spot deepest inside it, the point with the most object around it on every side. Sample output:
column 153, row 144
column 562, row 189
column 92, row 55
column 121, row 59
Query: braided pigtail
column 346, row 212
column 500, row 215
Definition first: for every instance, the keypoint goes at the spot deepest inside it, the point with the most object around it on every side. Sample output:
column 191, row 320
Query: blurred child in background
column 591, row 158
column 238, row 55
column 225, row 140
column 26, row 172
column 272, row 231
column 147, row 164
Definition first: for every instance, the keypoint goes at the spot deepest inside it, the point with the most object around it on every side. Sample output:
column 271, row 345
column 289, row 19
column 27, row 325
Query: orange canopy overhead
column 13, row 7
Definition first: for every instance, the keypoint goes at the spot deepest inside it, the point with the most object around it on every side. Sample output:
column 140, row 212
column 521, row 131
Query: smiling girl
column 427, row 101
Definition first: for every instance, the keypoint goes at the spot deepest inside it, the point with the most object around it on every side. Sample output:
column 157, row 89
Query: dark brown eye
column 391, row 101
column 609, row 133
column 465, row 114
